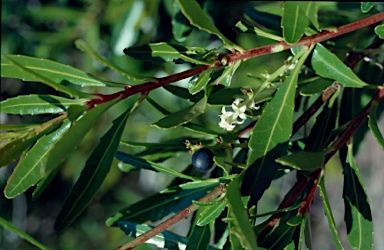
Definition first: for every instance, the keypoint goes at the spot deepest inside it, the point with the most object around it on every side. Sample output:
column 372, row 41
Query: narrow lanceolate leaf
column 82, row 45
column 53, row 74
column 243, row 227
column 294, row 22
column 29, row 170
column 358, row 217
column 194, row 13
column 183, row 116
column 180, row 24
column 165, row 52
column 210, row 213
column 366, row 6
column 69, row 141
column 269, row 135
column 199, row 238
column 37, row 104
column 328, row 65
column 8, row 226
column 329, row 214
column 197, row 85
column 57, row 72
column 372, row 123
column 310, row 9
column 93, row 174
column 155, row 207
column 304, row 160
column 142, row 163
column 379, row 30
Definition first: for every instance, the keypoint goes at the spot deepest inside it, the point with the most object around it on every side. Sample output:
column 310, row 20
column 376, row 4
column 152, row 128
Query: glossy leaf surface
column 294, row 21
column 328, row 65
column 372, row 123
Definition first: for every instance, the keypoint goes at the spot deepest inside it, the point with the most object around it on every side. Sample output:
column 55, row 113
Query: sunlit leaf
column 358, row 216
column 37, row 104
column 246, row 27
column 155, row 207
column 8, row 226
column 372, row 123
column 200, row 83
column 304, row 160
column 366, row 6
column 93, row 174
column 182, row 116
column 379, row 30
column 210, row 213
column 329, row 214
column 194, row 13
column 294, row 22
column 244, row 229
column 29, row 170
column 328, row 65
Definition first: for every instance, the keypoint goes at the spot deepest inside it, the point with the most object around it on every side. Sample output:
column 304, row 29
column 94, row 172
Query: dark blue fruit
column 202, row 160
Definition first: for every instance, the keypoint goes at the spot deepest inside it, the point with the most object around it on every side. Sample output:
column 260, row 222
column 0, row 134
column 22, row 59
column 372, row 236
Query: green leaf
column 294, row 22
column 203, row 79
column 155, row 207
column 82, row 45
column 310, row 9
column 210, row 213
column 244, row 229
column 8, row 226
column 304, row 160
column 379, row 30
column 37, row 104
column 93, row 174
column 29, row 170
column 328, row 213
column 366, row 6
column 358, row 217
column 165, row 52
column 141, row 163
column 194, row 13
column 372, row 123
column 244, row 26
column 328, row 65
column 180, row 24
column 69, row 141
column 199, row 238
column 183, row 116
column 51, row 73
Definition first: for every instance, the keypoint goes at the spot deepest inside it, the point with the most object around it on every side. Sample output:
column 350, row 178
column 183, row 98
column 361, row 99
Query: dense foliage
column 227, row 99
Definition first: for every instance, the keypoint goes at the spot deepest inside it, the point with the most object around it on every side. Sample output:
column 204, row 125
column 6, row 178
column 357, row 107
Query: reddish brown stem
column 173, row 220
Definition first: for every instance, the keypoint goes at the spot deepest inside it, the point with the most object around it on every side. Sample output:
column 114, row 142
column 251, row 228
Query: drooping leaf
column 165, row 52
column 372, row 123
column 294, row 21
column 155, row 207
column 269, row 137
column 69, row 141
column 29, row 170
column 37, row 104
column 194, row 13
column 304, row 160
column 210, row 213
column 142, row 163
column 182, row 116
column 379, row 30
column 199, row 238
column 329, row 214
column 93, row 174
column 328, row 65
column 366, row 6
column 244, row 229
column 358, row 216
column 22, row 234
column 180, row 24
column 53, row 74
column 82, row 45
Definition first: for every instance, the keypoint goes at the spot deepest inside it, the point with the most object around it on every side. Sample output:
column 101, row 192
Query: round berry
column 202, row 160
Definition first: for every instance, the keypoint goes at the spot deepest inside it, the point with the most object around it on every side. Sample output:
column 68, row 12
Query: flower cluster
column 229, row 119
